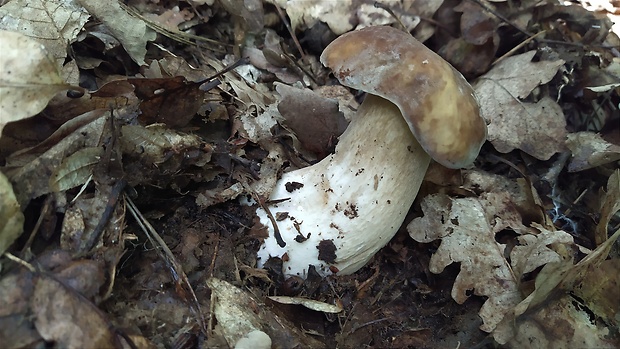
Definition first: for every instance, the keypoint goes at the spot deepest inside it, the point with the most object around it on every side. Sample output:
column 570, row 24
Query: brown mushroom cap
column 437, row 102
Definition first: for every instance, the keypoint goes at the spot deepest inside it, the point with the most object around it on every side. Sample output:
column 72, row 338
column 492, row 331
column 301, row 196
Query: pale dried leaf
column 130, row 31
column 590, row 150
column 53, row 23
column 211, row 197
column 538, row 129
column 337, row 15
column 553, row 282
column 555, row 278
column 308, row 303
column 370, row 15
column 423, row 9
column 75, row 169
column 467, row 228
column 610, row 204
column 518, row 75
column 11, row 217
column 28, row 78
column 522, row 196
column 561, row 323
column 156, row 143
column 148, row 143
column 238, row 313
column 233, row 310
column 533, row 251
column 600, row 291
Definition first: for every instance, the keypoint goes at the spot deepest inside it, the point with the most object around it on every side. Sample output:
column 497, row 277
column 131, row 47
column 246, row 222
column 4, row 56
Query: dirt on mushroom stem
column 352, row 201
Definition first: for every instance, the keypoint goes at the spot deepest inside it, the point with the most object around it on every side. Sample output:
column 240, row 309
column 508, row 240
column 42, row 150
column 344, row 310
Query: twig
column 290, row 31
column 20, row 261
column 514, row 49
column 391, row 12
column 174, row 266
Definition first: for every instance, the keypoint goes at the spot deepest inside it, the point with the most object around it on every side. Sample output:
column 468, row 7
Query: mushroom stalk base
column 350, row 204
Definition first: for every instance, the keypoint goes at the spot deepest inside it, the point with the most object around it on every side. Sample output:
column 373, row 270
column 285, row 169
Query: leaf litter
column 122, row 210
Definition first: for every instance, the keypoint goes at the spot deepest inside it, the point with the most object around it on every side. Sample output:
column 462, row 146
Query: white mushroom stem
column 355, row 199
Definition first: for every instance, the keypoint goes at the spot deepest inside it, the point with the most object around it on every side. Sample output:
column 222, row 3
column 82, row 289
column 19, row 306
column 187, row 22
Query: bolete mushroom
column 338, row 213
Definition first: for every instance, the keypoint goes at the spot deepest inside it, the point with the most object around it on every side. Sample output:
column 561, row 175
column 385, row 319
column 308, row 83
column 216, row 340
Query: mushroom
column 337, row 213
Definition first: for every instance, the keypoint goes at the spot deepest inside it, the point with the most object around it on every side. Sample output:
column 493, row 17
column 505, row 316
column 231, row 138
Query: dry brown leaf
column 610, row 204
column 477, row 26
column 81, row 223
column 171, row 18
column 370, row 15
column 590, row 150
column 25, row 155
column 28, row 77
column 345, row 15
column 316, row 121
column 11, row 216
column 69, row 320
column 539, row 128
column 147, row 142
column 53, row 23
column 250, row 11
column 172, row 101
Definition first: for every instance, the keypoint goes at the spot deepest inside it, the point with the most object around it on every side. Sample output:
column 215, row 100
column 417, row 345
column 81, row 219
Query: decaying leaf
column 53, row 23
column 130, row 31
column 537, row 128
column 537, row 315
column 75, row 169
column 249, row 11
column 610, row 204
column 11, row 216
column 148, row 143
column 28, row 77
column 561, row 323
column 157, row 143
column 69, row 320
column 600, row 291
column 590, row 150
column 28, row 180
column 172, row 101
